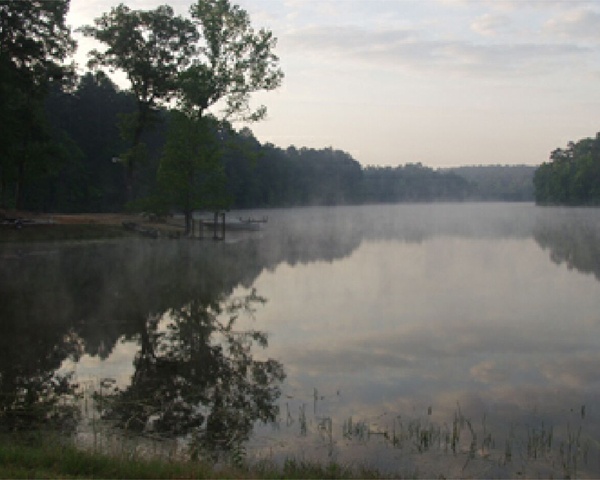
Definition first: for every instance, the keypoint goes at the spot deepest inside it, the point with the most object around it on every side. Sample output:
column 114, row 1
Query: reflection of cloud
column 577, row 371
column 462, row 341
column 346, row 360
column 119, row 364
column 489, row 371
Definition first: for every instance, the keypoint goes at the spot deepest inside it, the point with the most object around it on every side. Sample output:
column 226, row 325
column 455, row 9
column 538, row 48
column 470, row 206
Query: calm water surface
column 461, row 340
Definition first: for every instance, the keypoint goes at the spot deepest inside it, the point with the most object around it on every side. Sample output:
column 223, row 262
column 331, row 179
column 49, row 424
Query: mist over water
column 460, row 339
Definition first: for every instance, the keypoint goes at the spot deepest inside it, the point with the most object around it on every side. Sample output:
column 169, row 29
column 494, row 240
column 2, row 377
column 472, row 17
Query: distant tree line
column 87, row 173
column 572, row 176
column 499, row 182
column 413, row 182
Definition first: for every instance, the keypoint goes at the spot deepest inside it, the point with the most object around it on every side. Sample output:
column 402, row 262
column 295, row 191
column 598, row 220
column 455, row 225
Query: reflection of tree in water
column 61, row 302
column 32, row 395
column 37, row 402
column 576, row 243
column 195, row 375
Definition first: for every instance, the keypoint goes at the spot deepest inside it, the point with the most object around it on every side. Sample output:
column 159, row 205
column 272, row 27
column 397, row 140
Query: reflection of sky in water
column 432, row 310
column 118, row 365
column 418, row 311
column 490, row 325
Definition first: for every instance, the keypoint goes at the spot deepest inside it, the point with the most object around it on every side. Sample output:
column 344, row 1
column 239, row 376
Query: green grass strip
column 51, row 459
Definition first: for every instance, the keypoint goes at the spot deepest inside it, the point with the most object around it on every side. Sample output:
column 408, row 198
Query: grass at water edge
column 49, row 459
column 57, row 233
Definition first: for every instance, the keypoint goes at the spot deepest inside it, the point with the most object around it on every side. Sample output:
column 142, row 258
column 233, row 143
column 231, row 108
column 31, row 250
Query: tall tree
column 231, row 61
column 191, row 175
column 150, row 47
column 34, row 44
column 572, row 176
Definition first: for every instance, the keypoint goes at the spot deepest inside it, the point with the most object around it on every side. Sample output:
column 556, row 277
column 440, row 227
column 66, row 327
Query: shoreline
column 18, row 226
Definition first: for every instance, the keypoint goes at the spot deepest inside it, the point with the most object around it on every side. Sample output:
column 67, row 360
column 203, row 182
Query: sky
column 441, row 82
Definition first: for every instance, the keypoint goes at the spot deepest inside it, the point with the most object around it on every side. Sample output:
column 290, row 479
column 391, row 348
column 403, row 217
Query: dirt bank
column 8, row 216
column 18, row 226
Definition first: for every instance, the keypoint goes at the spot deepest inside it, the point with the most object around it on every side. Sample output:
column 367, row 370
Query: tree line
column 499, row 182
column 167, row 142
column 205, row 66
column 88, row 174
column 572, row 176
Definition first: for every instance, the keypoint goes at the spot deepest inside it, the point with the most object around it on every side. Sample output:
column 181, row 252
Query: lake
column 452, row 339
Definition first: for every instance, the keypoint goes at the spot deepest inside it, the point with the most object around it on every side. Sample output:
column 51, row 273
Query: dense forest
column 84, row 171
column 81, row 144
column 572, row 176
column 499, row 182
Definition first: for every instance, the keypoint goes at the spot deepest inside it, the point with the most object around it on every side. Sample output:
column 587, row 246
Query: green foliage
column 150, row 47
column 413, row 183
column 54, row 173
column 34, row 43
column 513, row 183
column 572, row 177
column 207, row 165
column 88, row 117
column 269, row 176
column 214, row 57
column 191, row 175
column 231, row 62
column 54, row 458
column 57, row 459
column 91, row 149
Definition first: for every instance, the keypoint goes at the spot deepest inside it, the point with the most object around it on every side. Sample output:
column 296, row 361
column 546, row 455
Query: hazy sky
column 442, row 82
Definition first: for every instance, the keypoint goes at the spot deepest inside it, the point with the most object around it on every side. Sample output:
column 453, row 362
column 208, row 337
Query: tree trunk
column 142, row 119
column 129, row 180
column 3, row 188
column 188, row 221
column 20, row 193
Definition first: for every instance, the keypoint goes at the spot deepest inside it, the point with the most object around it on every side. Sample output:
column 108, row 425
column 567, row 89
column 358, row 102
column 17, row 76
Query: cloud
column 511, row 5
column 408, row 48
column 346, row 39
column 580, row 24
column 454, row 3
column 489, row 25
